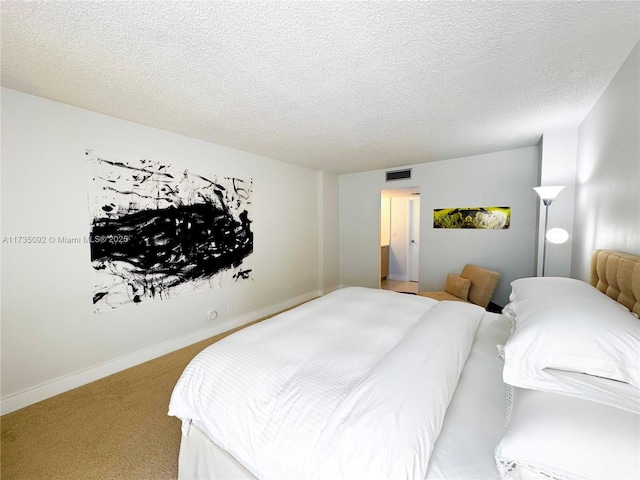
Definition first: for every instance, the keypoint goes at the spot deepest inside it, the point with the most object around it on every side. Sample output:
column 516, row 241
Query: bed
column 367, row 383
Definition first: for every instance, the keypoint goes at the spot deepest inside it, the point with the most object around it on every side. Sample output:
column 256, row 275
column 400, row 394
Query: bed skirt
column 201, row 459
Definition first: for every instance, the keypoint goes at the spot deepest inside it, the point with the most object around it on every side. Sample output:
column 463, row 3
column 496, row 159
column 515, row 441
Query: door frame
column 411, row 193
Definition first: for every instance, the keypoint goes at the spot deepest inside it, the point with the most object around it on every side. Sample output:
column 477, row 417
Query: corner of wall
column 558, row 163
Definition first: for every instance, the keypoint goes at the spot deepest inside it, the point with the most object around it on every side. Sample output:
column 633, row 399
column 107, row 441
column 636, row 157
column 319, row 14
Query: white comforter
column 354, row 384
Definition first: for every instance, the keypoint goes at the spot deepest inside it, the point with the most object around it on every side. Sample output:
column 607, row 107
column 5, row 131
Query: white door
column 413, row 248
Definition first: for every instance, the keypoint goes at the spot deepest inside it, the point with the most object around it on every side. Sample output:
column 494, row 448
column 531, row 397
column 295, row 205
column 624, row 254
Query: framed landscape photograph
column 494, row 218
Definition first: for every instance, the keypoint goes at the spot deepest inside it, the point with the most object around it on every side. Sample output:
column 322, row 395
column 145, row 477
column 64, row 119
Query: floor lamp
column 547, row 195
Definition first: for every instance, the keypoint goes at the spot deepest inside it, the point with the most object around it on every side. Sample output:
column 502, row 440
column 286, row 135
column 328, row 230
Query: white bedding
column 354, row 384
column 575, row 356
column 566, row 437
column 475, row 418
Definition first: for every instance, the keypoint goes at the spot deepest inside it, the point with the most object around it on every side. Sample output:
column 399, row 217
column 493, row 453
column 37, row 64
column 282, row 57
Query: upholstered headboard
column 618, row 275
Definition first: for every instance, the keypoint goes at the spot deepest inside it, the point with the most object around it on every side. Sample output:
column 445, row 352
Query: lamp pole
column 547, row 194
column 547, row 202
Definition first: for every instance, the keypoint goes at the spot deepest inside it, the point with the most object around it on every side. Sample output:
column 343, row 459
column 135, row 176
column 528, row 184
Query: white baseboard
column 24, row 398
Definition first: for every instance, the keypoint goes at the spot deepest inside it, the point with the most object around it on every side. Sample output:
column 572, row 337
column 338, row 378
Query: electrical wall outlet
column 212, row 315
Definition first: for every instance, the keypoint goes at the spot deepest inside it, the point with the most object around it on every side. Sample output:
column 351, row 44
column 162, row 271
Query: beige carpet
column 114, row 428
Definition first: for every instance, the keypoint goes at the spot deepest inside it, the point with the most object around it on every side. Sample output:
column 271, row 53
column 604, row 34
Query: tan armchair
column 473, row 285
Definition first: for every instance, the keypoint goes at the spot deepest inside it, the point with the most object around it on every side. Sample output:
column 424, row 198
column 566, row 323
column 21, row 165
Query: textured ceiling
column 337, row 86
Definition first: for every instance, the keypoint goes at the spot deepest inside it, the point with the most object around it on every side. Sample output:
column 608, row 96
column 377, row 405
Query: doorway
column 400, row 239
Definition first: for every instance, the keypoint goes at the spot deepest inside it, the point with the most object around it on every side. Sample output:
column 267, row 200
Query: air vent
column 399, row 175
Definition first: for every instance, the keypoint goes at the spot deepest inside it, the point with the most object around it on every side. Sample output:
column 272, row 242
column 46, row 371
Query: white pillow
column 542, row 287
column 598, row 389
column 587, row 334
column 565, row 437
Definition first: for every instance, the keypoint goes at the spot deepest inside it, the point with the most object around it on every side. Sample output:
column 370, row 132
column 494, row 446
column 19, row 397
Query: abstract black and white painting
column 158, row 231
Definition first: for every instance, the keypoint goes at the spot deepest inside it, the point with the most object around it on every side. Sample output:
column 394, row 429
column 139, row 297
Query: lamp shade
column 557, row 235
column 549, row 192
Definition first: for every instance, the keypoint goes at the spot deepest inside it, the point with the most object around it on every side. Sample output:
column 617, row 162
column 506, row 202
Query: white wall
column 51, row 340
column 496, row 179
column 558, row 167
column 398, row 243
column 608, row 172
column 385, row 220
column 328, row 237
